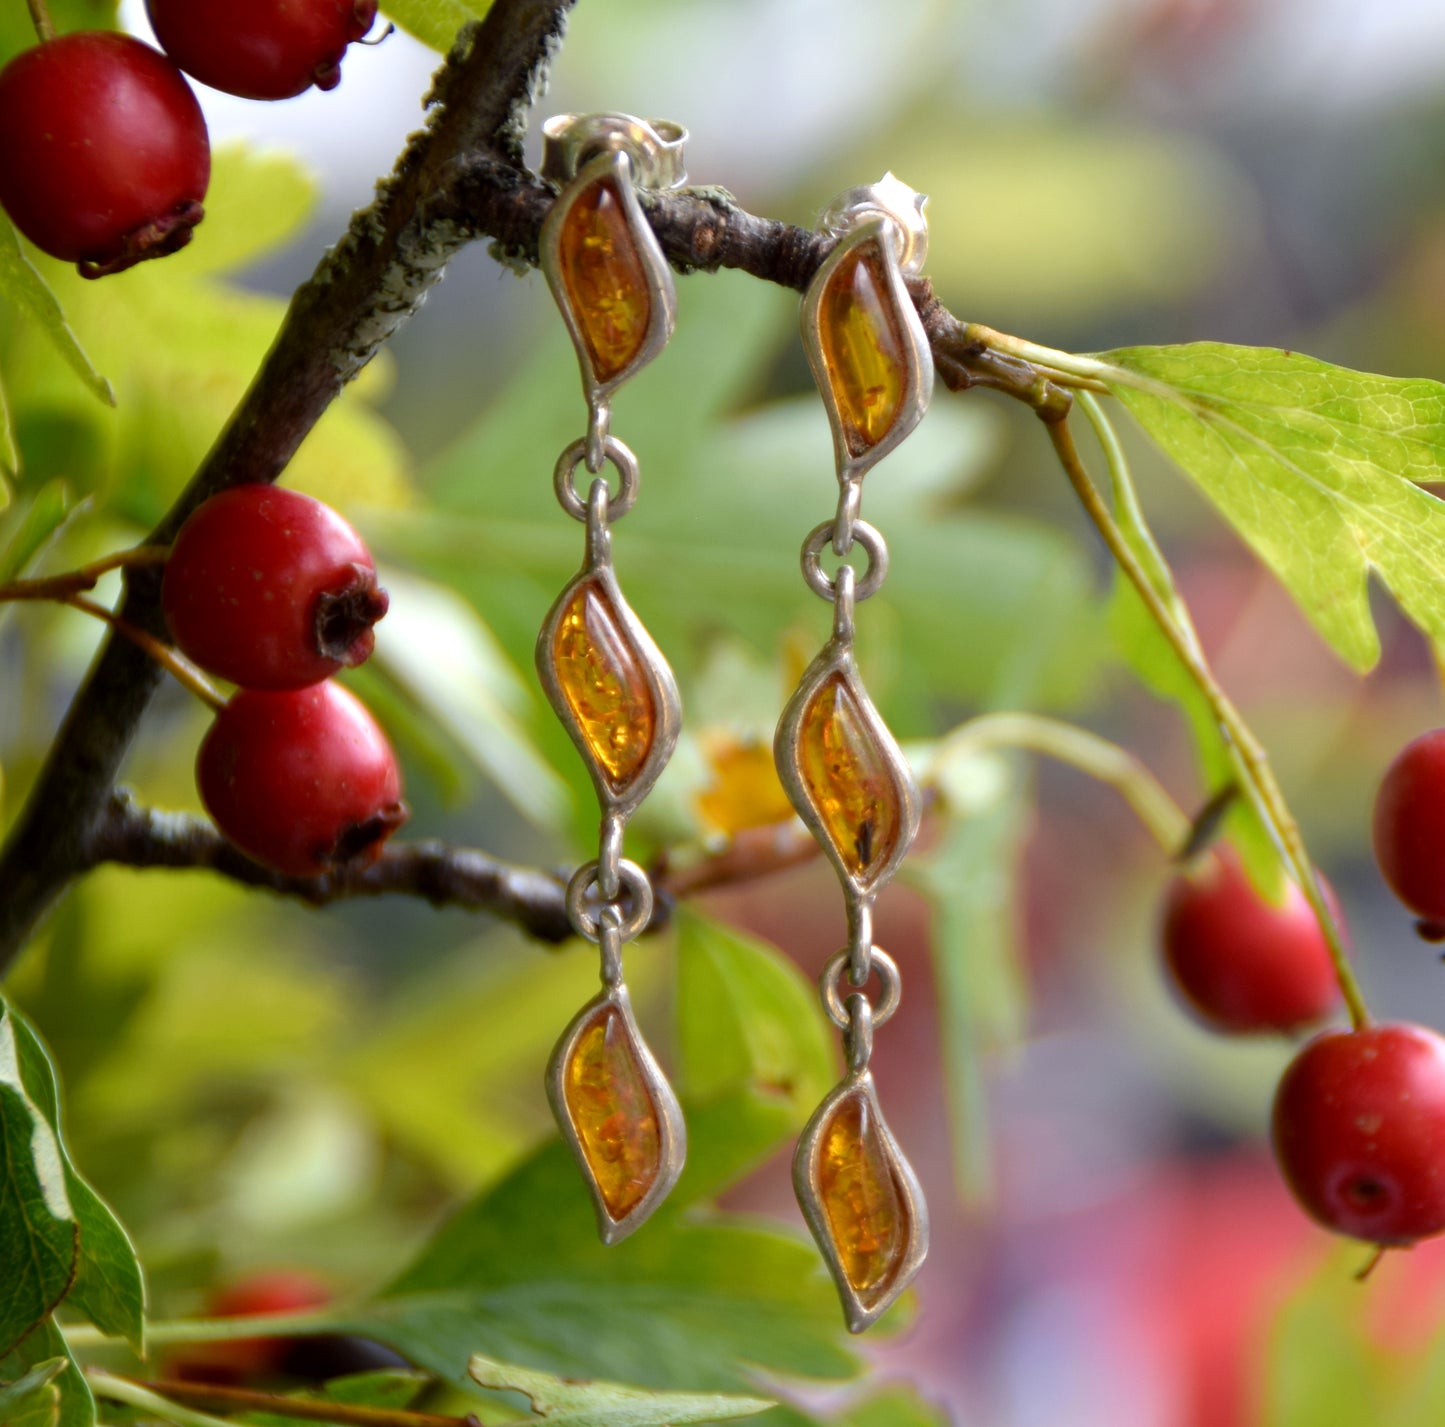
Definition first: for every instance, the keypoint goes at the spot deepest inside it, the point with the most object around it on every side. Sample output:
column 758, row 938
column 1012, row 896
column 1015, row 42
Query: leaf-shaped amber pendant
column 845, row 774
column 607, row 274
column 617, row 1112
column 861, row 1200
column 867, row 348
column 610, row 686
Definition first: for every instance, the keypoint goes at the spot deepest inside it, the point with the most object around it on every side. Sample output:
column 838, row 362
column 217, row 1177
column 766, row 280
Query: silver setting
column 597, row 571
column 888, row 215
column 610, row 900
column 613, row 166
column 837, row 661
column 860, row 1312
column 671, row 1130
column 894, row 200
column 874, row 228
column 655, row 146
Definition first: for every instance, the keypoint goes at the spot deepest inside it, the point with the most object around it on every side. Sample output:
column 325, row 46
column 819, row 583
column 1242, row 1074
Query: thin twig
column 171, row 660
column 40, row 18
column 240, row 1399
column 1253, row 762
column 1083, row 750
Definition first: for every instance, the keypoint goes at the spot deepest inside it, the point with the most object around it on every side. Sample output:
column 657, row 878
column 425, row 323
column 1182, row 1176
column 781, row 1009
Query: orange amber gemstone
column 848, row 779
column 867, row 1214
column 605, row 683
column 604, row 279
column 613, row 1113
column 863, row 348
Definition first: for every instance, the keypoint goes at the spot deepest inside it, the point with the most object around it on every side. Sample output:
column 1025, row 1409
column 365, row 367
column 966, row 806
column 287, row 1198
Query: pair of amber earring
column 616, row 695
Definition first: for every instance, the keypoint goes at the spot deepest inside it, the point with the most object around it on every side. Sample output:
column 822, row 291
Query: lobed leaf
column 1318, row 468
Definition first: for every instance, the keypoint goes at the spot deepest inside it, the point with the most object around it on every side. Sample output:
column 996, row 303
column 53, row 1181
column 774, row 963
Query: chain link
column 585, row 908
column 890, row 988
column 825, row 585
column 575, row 455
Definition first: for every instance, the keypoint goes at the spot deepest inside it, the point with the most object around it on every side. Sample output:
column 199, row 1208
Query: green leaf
column 27, row 533
column 1315, row 466
column 748, row 1019
column 75, row 1402
column 37, row 1224
column 22, row 285
column 109, row 1287
column 970, row 878
column 33, row 1400
column 435, row 22
column 608, row 1404
column 682, row 1306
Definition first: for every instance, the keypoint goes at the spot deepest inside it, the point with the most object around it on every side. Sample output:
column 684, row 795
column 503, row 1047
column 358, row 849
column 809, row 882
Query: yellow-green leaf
column 435, row 22
column 24, row 288
column 1315, row 465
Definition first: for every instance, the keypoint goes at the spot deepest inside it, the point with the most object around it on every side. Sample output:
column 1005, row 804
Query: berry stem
column 174, row 662
column 40, row 18
column 1087, row 752
column 174, row 1401
column 1257, row 776
column 70, row 582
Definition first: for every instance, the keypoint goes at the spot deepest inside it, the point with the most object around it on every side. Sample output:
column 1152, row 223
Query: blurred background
column 254, row 1084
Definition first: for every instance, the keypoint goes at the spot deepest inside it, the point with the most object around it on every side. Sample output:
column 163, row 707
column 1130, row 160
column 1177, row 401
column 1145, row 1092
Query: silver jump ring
column 868, row 582
column 635, row 888
column 575, row 455
column 890, row 987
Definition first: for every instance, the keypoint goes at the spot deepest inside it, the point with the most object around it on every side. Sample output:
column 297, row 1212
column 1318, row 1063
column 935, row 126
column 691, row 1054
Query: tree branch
column 443, row 874
column 362, row 291
column 460, row 179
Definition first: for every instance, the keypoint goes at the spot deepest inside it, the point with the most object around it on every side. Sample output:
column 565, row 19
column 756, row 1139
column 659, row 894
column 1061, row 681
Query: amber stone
column 604, row 279
column 613, row 1113
column 849, row 780
column 864, row 351
column 605, row 683
column 866, row 1211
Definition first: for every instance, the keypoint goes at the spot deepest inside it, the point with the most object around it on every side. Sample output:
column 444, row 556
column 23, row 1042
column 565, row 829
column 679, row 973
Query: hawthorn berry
column 266, row 49
column 239, row 1360
column 1409, row 829
column 302, row 780
column 105, row 158
column 271, row 589
column 1241, row 963
column 1359, row 1132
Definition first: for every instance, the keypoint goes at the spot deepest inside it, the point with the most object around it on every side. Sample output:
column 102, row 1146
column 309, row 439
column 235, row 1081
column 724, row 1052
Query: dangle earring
column 605, row 678
column 842, row 769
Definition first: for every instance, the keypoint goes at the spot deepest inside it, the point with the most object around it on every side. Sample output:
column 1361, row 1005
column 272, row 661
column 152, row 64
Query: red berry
column 1241, row 963
column 105, row 158
column 1409, row 826
column 265, row 49
column 271, row 589
column 241, row 1360
column 1359, row 1132
column 302, row 780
